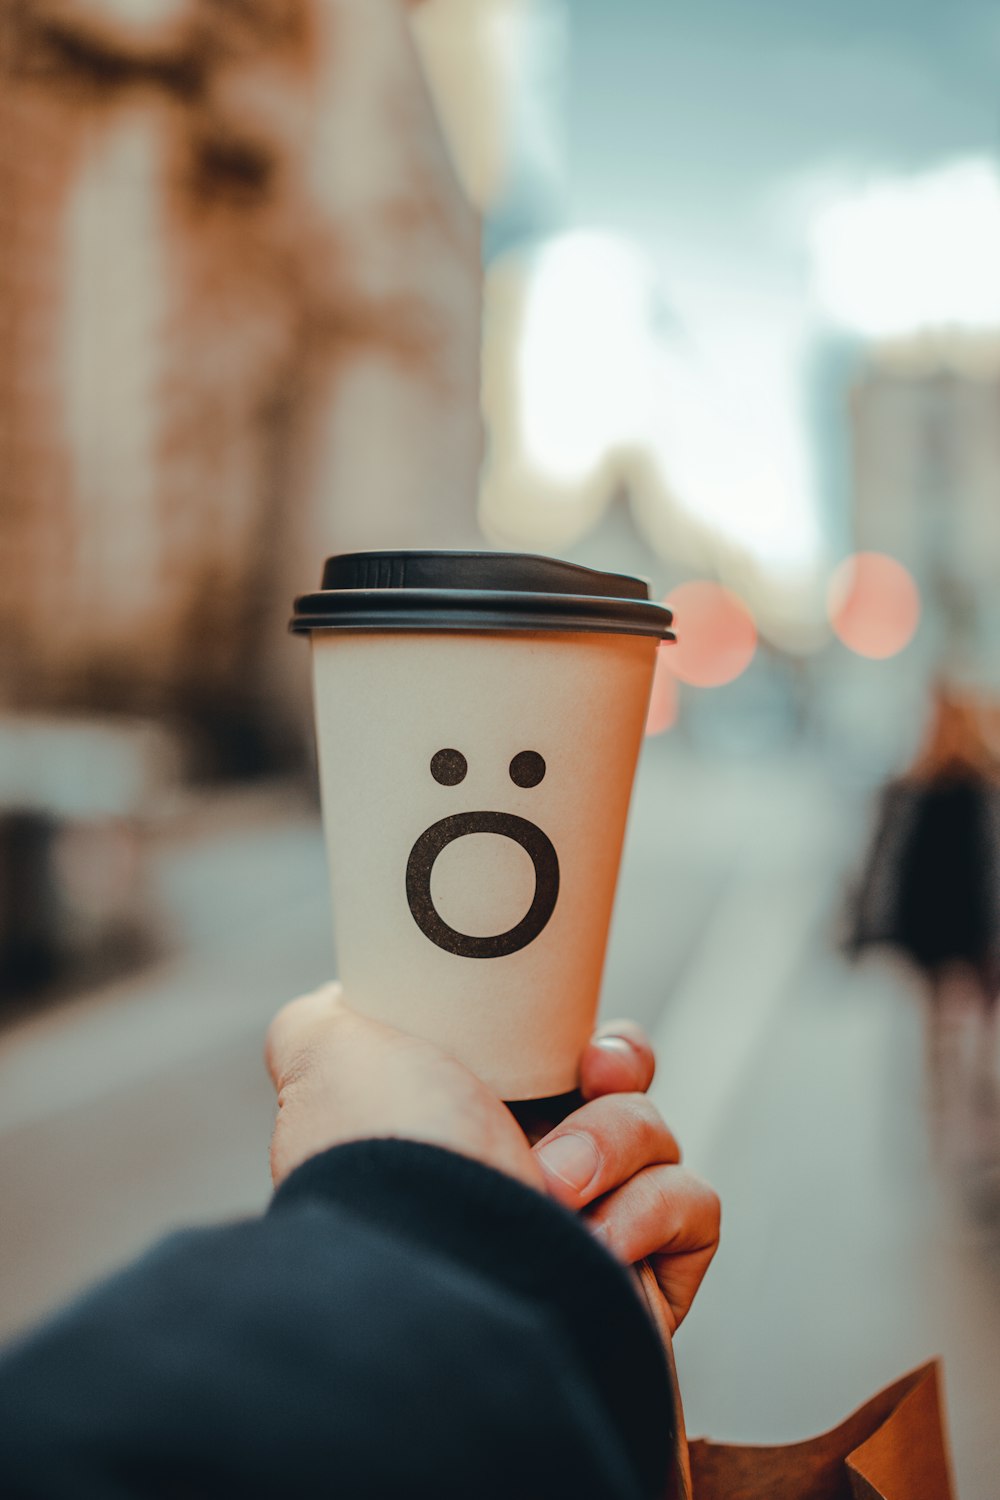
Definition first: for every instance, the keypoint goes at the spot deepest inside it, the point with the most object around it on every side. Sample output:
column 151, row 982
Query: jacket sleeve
column 402, row 1321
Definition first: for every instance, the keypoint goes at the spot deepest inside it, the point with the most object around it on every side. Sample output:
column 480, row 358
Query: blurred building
column 239, row 294
column 925, row 426
column 145, row 387
column 213, row 329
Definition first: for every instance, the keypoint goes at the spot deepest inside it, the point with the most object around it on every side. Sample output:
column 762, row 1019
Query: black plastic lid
column 476, row 591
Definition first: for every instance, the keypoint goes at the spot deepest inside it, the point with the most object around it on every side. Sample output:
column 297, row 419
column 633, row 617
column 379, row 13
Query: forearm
column 402, row 1320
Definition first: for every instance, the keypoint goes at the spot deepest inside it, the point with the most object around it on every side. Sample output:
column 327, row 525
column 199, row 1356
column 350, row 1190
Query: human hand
column 343, row 1077
column 615, row 1160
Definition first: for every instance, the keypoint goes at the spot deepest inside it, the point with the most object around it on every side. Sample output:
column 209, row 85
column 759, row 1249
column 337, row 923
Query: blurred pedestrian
column 931, row 891
column 930, row 886
column 430, row 1306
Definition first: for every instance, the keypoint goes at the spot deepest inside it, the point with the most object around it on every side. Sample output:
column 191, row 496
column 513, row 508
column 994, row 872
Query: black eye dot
column 449, row 767
column 527, row 768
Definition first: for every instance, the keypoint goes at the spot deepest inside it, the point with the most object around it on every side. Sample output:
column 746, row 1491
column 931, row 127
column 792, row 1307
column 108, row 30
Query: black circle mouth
column 537, row 845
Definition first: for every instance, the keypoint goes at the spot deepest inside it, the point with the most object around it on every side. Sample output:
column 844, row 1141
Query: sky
column 734, row 92
column 704, row 122
column 705, row 130
column 708, row 134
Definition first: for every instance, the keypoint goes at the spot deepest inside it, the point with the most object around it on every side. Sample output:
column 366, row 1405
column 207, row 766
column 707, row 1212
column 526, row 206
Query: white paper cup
column 475, row 787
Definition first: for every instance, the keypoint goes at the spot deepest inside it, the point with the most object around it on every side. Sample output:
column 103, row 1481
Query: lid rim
column 467, row 625
column 454, row 609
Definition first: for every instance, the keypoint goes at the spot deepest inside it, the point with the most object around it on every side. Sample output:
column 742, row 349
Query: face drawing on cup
column 449, row 768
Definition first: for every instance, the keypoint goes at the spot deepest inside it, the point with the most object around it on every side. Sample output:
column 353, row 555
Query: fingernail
column 619, row 1044
column 621, row 1047
column 571, row 1158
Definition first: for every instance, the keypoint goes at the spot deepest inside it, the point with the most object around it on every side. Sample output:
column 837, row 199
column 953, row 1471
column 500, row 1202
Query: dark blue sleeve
column 402, row 1321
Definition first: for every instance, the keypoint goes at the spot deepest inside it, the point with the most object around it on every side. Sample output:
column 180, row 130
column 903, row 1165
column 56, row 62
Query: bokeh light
column 716, row 635
column 873, row 604
column 663, row 702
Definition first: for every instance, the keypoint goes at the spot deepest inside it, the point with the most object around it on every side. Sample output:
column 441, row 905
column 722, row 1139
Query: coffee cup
column 479, row 717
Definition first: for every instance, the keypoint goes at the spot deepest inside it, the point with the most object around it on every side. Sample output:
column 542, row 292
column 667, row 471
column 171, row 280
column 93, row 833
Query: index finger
column 618, row 1059
column 295, row 1025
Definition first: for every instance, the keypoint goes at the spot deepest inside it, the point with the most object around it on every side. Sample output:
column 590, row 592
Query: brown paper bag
column 893, row 1448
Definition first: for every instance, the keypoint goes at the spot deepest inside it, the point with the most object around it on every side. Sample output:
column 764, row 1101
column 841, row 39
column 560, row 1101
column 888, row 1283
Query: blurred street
column 704, row 296
column 853, row 1247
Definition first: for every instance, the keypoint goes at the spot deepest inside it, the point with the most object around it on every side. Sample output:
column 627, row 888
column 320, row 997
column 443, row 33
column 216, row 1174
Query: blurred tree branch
column 314, row 312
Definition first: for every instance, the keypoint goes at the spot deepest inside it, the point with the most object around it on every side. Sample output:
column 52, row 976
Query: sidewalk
column 144, row 1105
